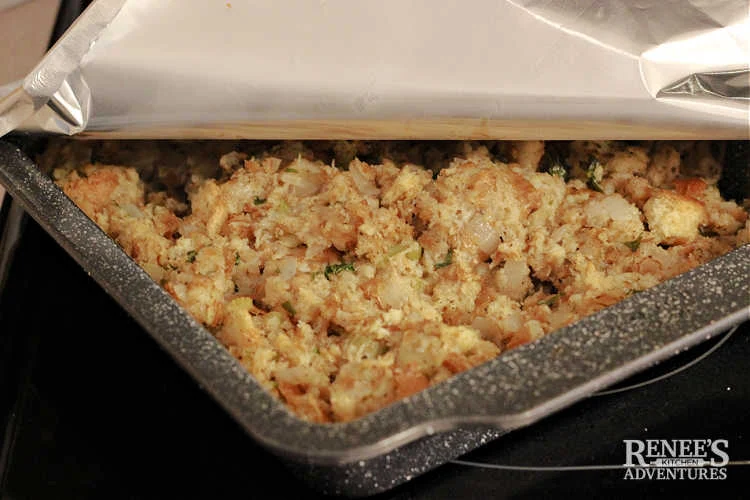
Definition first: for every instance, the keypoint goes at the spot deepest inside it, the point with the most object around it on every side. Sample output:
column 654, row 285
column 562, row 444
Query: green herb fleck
column 557, row 170
column 595, row 174
column 554, row 165
column 258, row 201
column 317, row 350
column 288, row 307
column 291, row 170
column 173, row 267
column 191, row 255
column 633, row 245
column 550, row 301
column 447, row 261
column 236, row 258
column 632, row 291
column 337, row 269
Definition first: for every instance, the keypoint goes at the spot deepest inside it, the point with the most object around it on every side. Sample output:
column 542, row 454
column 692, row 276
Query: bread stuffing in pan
column 346, row 275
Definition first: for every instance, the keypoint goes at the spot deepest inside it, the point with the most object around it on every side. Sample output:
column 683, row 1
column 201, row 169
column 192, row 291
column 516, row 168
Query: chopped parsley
column 554, row 165
column 191, row 255
column 633, row 245
column 291, row 170
column 338, row 269
column 595, row 174
column 288, row 307
column 558, row 170
column 236, row 258
column 258, row 201
column 550, row 301
column 447, row 261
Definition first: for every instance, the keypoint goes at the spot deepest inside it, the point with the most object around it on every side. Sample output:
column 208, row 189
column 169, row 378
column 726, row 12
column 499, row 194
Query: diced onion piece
column 485, row 326
column 483, row 234
column 305, row 183
column 364, row 185
column 287, row 268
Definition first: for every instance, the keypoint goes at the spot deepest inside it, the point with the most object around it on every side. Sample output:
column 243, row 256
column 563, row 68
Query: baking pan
column 401, row 441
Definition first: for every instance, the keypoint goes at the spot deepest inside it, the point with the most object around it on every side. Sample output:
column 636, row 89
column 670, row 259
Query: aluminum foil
column 394, row 69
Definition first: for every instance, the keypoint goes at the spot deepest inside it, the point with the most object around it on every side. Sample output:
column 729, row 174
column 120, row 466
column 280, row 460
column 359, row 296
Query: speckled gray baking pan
column 412, row 436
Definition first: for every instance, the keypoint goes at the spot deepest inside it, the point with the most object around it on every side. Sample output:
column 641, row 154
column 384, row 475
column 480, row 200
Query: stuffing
column 673, row 218
column 347, row 275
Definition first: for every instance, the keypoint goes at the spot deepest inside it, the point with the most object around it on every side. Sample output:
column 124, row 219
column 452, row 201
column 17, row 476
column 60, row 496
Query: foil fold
column 422, row 69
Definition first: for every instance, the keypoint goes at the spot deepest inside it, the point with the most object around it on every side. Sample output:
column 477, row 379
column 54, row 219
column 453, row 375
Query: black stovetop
column 92, row 408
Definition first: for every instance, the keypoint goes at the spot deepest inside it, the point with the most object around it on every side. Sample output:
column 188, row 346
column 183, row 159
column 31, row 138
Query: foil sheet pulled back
column 515, row 69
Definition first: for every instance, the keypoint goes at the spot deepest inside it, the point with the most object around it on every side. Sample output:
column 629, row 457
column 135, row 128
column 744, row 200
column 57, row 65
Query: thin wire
column 564, row 468
column 673, row 372
column 481, row 465
column 573, row 468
